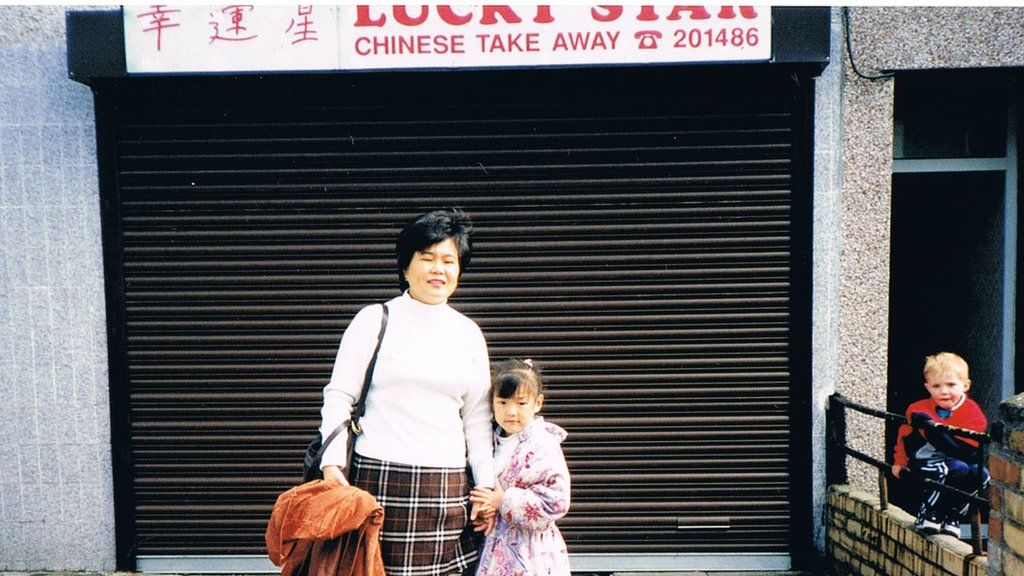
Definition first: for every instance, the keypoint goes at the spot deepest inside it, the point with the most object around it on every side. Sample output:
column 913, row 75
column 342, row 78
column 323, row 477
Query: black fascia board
column 95, row 45
column 801, row 35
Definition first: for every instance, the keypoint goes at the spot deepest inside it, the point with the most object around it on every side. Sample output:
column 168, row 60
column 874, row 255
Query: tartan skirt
column 426, row 528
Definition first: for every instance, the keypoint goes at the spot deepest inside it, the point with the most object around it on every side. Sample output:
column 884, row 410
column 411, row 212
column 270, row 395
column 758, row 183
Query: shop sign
column 163, row 38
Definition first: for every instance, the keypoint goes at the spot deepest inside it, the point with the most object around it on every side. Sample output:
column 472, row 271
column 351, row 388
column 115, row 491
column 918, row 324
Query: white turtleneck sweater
column 429, row 400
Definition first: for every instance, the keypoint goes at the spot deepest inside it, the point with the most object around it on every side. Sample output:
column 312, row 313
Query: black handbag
column 315, row 450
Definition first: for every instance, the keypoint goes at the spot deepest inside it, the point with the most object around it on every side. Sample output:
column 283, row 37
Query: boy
column 939, row 455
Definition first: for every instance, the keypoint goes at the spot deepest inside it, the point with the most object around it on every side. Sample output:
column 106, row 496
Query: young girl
column 532, row 488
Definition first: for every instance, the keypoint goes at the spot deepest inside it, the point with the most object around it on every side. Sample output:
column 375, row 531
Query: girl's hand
column 488, row 499
column 896, row 470
column 335, row 473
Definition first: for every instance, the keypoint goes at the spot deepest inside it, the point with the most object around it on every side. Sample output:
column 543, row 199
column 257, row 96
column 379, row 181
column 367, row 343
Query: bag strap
column 360, row 408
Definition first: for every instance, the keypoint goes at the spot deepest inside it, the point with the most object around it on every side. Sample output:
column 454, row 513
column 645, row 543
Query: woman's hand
column 334, row 473
column 897, row 469
column 485, row 524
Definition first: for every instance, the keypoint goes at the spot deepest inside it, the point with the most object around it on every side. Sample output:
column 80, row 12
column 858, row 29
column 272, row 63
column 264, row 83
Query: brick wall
column 861, row 539
column 1006, row 494
column 56, row 491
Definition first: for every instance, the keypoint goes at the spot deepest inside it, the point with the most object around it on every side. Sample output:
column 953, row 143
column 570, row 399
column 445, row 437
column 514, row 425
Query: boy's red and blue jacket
column 930, row 443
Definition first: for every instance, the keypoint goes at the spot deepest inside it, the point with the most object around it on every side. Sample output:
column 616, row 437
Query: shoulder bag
column 315, row 450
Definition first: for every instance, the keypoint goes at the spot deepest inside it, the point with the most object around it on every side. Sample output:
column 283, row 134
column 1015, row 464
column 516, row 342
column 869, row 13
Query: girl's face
column 515, row 413
column 433, row 273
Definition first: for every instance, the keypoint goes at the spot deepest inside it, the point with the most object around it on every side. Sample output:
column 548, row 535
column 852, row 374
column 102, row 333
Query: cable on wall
column 849, row 50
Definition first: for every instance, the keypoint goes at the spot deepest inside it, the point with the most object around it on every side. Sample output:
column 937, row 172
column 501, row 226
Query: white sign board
column 241, row 37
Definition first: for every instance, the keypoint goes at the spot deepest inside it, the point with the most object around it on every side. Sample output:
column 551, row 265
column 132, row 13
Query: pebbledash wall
column 56, row 504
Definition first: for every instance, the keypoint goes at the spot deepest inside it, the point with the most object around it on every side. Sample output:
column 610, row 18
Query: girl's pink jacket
column 525, row 541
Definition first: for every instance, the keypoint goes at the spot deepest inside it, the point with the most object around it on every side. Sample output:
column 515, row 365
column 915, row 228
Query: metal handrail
column 982, row 437
column 838, row 450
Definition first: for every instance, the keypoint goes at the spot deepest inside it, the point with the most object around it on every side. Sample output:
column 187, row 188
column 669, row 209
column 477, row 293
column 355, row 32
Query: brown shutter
column 634, row 237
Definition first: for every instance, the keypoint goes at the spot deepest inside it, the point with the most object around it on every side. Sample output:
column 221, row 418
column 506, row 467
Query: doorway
column 954, row 227
column 946, row 281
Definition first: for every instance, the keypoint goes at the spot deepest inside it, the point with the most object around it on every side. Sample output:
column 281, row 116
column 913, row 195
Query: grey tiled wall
column 56, row 502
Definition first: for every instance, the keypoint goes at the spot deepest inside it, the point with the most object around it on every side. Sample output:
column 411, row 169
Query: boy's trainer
column 951, row 526
column 927, row 522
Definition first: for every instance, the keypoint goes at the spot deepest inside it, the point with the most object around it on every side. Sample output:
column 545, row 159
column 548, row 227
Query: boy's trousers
column 955, row 474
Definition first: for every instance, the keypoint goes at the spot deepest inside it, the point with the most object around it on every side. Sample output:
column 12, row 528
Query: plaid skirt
column 426, row 517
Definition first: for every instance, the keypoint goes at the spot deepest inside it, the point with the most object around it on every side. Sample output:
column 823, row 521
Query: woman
column 427, row 409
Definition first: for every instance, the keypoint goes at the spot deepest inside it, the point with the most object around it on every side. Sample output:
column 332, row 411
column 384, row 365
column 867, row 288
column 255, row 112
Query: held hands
column 486, row 503
column 334, row 473
column 489, row 499
column 483, row 521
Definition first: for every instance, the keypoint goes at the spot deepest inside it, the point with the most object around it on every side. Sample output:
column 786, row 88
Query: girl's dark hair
column 510, row 375
column 428, row 229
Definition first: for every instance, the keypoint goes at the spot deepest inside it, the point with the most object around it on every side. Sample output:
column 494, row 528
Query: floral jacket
column 525, row 541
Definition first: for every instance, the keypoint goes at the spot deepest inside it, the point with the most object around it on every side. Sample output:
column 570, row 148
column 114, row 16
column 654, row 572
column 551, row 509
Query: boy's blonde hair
column 946, row 363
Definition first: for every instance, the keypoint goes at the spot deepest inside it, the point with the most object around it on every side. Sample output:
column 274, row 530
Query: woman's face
column 433, row 272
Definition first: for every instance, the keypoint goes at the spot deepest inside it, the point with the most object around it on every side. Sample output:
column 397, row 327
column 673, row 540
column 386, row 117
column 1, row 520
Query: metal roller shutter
column 638, row 243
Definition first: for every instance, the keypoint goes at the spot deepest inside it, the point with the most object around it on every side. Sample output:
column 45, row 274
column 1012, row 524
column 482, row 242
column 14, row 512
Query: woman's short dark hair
column 428, row 229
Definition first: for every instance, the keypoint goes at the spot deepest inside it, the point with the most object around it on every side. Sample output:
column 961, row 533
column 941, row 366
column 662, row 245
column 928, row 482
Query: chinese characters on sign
column 231, row 38
column 245, row 37
column 303, row 27
column 236, row 32
column 157, row 19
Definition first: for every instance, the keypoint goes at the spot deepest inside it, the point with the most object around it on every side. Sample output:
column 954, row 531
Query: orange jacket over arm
column 326, row 529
